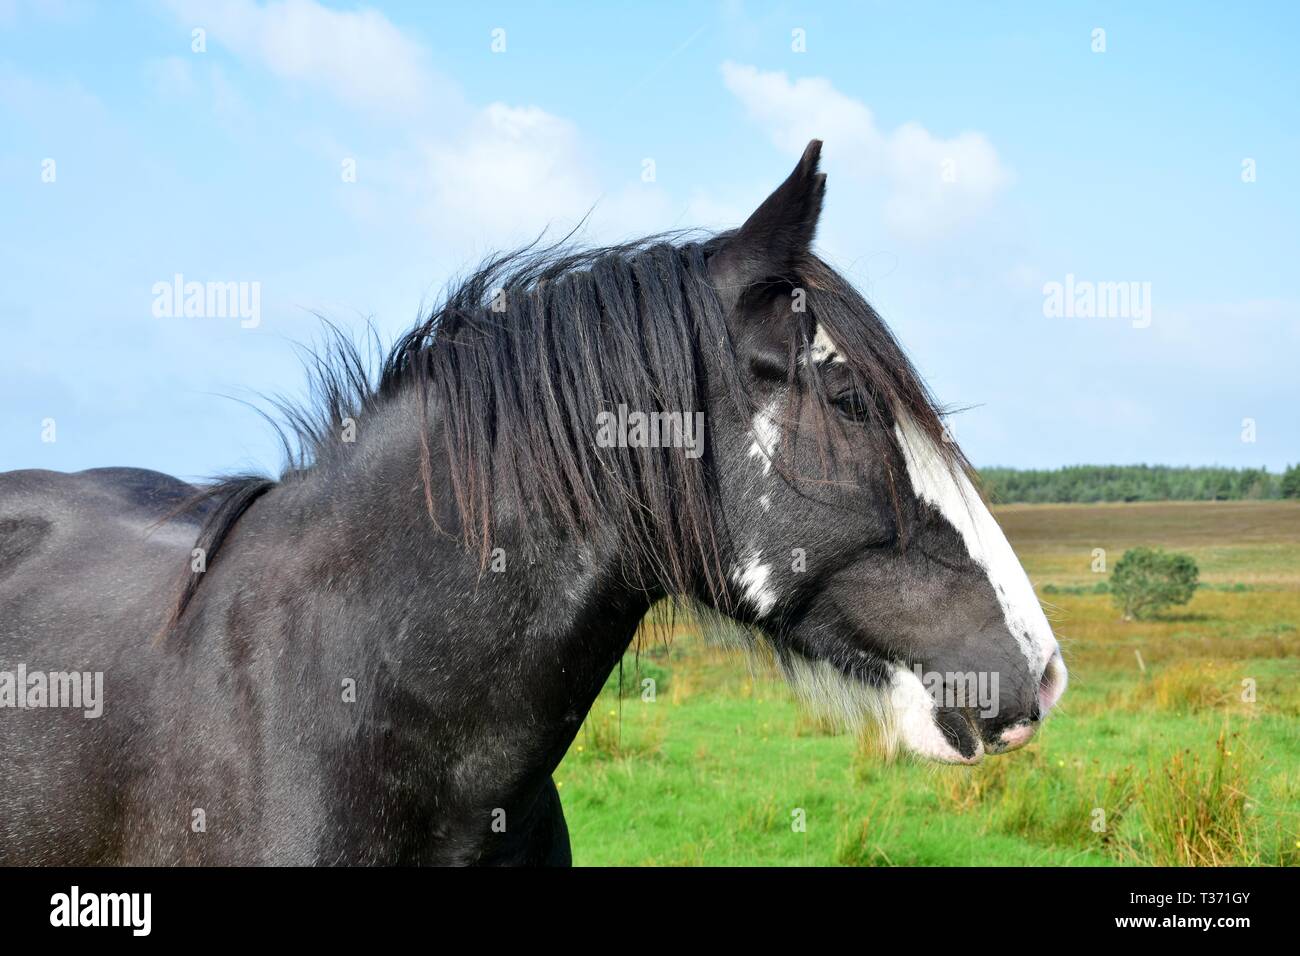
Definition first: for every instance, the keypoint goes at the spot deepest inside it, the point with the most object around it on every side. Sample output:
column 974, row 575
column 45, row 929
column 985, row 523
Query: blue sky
column 975, row 154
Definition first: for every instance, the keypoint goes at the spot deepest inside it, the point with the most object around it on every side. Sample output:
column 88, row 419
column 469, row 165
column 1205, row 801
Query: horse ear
column 776, row 235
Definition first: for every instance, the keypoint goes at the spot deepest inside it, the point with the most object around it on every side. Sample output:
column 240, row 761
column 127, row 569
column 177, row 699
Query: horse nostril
column 1035, row 712
column 1051, row 685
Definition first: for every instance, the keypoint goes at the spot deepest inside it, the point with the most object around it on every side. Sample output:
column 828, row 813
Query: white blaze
column 904, row 709
column 951, row 493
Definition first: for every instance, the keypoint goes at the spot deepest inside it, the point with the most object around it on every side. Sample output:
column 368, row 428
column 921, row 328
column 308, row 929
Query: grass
column 1177, row 744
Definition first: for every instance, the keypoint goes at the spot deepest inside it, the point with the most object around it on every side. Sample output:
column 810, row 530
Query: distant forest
column 1087, row 483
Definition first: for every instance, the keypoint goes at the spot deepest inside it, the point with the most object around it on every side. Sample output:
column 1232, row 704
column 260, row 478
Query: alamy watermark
column 176, row 299
column 974, row 689
column 1083, row 299
column 130, row 910
column 22, row 689
column 630, row 429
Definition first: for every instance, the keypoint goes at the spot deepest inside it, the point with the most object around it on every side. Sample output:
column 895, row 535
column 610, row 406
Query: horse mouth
column 961, row 733
column 913, row 720
column 968, row 742
column 968, row 745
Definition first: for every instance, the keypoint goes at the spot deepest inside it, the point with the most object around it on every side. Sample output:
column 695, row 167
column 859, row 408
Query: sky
column 1080, row 219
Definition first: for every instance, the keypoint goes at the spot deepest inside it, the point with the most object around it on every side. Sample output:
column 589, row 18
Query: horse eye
column 853, row 404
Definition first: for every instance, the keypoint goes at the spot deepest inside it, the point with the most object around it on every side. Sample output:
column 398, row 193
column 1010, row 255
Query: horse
column 382, row 655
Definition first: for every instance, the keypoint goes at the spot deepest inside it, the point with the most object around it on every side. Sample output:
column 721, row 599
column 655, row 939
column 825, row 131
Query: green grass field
column 1151, row 761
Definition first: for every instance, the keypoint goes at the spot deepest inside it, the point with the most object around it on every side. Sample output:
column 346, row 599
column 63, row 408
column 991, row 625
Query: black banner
column 134, row 905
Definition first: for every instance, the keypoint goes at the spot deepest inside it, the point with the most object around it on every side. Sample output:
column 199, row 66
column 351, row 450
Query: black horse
column 381, row 656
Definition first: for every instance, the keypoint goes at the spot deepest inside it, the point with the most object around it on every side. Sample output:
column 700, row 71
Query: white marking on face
column 952, row 494
column 823, row 349
column 904, row 710
column 754, row 578
column 766, row 434
column 913, row 711
column 765, row 502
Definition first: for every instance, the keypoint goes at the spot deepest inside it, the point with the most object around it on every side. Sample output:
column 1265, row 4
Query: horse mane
column 518, row 360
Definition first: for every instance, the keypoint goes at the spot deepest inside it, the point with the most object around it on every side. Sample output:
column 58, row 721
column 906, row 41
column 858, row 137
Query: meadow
column 1178, row 742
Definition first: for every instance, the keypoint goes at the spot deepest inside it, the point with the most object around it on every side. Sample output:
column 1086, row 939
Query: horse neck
column 512, row 652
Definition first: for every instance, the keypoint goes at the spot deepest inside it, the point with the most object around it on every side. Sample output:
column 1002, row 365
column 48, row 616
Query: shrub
column 1148, row 580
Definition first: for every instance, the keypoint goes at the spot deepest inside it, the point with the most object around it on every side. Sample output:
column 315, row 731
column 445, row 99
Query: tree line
column 1089, row 483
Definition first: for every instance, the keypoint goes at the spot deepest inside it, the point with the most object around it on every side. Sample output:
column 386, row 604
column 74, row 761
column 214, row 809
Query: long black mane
column 516, row 364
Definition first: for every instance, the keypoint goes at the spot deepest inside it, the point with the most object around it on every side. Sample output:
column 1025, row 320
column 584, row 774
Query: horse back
column 86, row 571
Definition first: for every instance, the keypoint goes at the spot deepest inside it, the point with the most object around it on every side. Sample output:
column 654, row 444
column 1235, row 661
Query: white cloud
column 512, row 168
column 494, row 175
column 359, row 56
column 516, row 172
column 792, row 113
column 932, row 185
column 940, row 183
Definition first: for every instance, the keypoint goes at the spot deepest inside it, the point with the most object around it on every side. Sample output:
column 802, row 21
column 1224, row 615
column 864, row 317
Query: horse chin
column 943, row 735
column 899, row 709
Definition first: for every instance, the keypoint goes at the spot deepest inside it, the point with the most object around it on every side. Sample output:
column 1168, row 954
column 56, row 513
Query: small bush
column 1148, row 580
